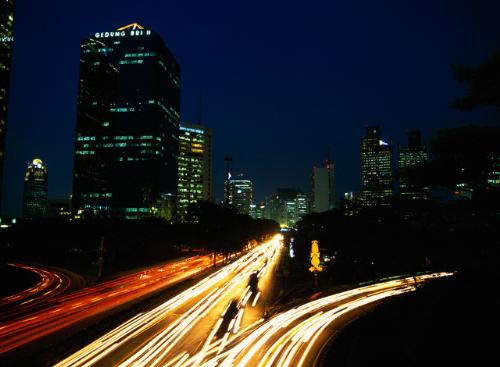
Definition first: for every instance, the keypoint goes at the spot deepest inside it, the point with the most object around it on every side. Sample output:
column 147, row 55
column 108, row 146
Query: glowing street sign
column 315, row 258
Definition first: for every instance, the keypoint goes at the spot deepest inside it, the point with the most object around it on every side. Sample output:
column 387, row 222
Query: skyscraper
column 409, row 158
column 376, row 168
column 35, row 190
column 239, row 192
column 126, row 147
column 323, row 188
column 301, row 206
column 195, row 166
column 6, row 43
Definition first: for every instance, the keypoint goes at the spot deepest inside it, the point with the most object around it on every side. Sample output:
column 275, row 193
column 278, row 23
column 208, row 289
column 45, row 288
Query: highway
column 193, row 328
column 297, row 337
column 68, row 309
column 190, row 321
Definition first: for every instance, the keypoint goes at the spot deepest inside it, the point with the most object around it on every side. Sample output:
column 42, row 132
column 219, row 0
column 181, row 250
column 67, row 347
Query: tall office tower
column 195, row 166
column 253, row 211
column 260, row 211
column 35, row 190
column 301, row 206
column 409, row 158
column 127, row 128
column 238, row 192
column 376, row 168
column 351, row 203
column 323, row 188
column 6, row 43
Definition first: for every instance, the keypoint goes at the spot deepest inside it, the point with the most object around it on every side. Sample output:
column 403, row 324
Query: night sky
column 281, row 80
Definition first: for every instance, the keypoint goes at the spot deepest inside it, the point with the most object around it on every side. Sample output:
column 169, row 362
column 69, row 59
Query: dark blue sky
column 282, row 80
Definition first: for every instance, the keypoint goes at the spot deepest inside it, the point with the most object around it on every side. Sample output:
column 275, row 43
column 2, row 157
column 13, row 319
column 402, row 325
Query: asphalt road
column 188, row 323
column 297, row 337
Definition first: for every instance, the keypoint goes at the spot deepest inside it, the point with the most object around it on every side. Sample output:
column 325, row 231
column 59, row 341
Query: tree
column 482, row 83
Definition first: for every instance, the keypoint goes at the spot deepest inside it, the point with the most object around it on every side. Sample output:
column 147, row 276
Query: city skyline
column 341, row 125
column 199, row 184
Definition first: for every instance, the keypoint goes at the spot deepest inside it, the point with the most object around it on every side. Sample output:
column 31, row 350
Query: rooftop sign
column 133, row 29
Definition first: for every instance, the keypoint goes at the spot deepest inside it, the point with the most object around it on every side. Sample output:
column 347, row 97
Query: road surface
column 189, row 321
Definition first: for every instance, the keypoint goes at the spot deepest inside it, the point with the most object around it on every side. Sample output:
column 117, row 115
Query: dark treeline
column 453, row 233
column 130, row 244
column 401, row 239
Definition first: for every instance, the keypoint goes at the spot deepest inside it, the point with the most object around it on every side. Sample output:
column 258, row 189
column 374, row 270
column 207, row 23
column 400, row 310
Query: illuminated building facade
column 323, row 188
column 258, row 211
column 350, row 203
column 35, row 190
column 6, row 43
column 301, row 206
column 195, row 166
column 126, row 147
column 239, row 192
column 410, row 157
column 376, row 168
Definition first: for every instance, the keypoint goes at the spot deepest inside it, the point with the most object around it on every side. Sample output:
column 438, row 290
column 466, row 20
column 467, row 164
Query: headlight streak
column 154, row 352
column 286, row 347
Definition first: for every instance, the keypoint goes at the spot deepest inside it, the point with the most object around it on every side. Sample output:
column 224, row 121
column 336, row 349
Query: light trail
column 288, row 338
column 50, row 284
column 68, row 309
column 213, row 290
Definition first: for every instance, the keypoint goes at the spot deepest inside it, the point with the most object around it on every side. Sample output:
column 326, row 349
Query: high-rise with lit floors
column 195, row 166
column 411, row 157
column 35, row 190
column 238, row 192
column 6, row 43
column 323, row 188
column 127, row 129
column 376, row 168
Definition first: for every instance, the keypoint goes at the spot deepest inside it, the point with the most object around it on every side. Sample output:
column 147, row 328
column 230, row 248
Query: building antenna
column 199, row 109
column 328, row 157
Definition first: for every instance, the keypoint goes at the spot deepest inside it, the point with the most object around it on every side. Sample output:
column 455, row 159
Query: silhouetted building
column 35, row 190
column 410, row 158
column 59, row 208
column 239, row 192
column 6, row 43
column 493, row 174
column 127, row 130
column 195, row 166
column 323, row 188
column 376, row 168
